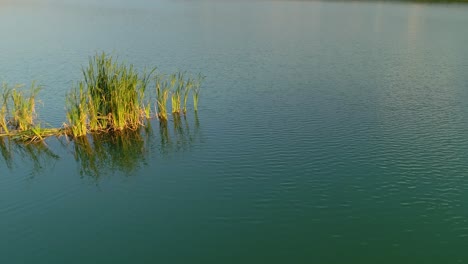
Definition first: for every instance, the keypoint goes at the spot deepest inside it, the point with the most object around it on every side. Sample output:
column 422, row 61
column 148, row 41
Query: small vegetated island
column 111, row 97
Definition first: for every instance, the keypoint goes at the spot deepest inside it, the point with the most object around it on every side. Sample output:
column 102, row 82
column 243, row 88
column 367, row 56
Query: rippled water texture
column 328, row 132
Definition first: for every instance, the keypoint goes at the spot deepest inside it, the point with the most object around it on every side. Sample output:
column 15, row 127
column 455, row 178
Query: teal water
column 328, row 132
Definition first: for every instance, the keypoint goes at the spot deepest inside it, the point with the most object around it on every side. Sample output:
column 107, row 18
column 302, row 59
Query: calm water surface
column 327, row 133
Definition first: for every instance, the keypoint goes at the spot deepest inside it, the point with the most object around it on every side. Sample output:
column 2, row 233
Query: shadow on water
column 108, row 153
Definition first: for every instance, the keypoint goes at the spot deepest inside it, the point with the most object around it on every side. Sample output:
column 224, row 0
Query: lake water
column 328, row 132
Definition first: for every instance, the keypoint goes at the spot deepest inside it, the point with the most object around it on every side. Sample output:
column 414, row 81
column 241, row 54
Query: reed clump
column 115, row 94
column 111, row 97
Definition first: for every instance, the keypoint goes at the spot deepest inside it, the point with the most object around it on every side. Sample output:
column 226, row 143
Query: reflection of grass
column 165, row 138
column 84, row 155
column 37, row 153
column 122, row 151
column 126, row 151
column 105, row 153
column 5, row 150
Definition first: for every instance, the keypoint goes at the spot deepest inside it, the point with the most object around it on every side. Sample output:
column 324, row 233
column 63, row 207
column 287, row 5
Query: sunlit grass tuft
column 24, row 108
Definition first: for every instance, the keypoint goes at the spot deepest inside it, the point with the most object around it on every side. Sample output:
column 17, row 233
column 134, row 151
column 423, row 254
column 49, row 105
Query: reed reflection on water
column 107, row 153
column 38, row 154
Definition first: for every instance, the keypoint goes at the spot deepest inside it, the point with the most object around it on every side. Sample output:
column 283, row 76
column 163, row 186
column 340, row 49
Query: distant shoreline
column 387, row 1
column 394, row 1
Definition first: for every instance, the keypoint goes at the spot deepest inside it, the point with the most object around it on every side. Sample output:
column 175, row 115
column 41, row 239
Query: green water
column 327, row 132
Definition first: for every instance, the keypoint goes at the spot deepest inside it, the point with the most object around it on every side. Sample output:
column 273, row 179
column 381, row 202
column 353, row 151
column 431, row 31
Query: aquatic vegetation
column 181, row 88
column 117, row 95
column 36, row 133
column 18, row 115
column 112, row 96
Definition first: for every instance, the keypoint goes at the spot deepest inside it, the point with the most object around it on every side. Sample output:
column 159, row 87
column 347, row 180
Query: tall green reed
column 176, row 90
column 196, row 85
column 162, row 94
column 77, row 111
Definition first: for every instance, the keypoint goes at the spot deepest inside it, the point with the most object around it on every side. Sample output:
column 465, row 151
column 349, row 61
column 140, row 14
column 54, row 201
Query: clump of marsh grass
column 115, row 94
column 179, row 87
column 18, row 114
